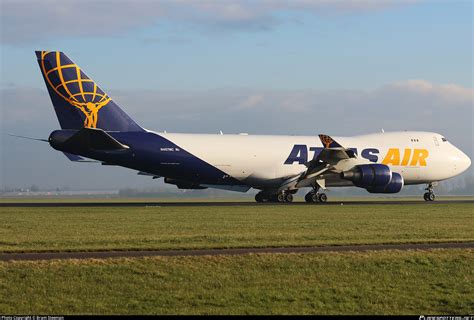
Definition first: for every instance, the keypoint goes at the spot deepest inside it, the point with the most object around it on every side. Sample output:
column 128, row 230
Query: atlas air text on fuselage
column 301, row 154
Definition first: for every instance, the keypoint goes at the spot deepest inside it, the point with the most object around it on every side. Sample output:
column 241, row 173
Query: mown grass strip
column 153, row 228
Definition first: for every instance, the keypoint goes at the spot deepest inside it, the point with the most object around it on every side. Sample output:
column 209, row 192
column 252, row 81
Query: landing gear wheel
column 259, row 197
column 322, row 198
column 429, row 196
column 315, row 197
column 288, row 197
column 281, row 197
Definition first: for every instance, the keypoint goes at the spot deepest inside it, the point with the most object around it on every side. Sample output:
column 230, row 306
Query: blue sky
column 279, row 67
column 357, row 49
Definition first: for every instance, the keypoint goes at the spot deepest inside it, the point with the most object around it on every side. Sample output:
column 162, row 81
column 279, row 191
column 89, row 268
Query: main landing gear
column 274, row 197
column 429, row 196
column 316, row 197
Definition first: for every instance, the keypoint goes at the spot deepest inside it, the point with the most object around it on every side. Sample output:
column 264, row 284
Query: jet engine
column 376, row 178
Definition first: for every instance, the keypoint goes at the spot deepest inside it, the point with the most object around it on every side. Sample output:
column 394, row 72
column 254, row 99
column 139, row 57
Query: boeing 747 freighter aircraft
column 94, row 127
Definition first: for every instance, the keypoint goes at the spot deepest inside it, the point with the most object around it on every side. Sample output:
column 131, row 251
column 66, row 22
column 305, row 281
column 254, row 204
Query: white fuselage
column 265, row 161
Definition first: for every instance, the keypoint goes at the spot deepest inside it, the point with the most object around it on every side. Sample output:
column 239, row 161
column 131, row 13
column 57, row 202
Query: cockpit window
column 444, row 139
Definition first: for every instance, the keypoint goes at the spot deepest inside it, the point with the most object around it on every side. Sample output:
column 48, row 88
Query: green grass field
column 389, row 282
column 119, row 228
column 378, row 282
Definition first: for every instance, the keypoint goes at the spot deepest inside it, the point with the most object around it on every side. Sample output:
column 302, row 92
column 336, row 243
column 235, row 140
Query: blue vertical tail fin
column 77, row 99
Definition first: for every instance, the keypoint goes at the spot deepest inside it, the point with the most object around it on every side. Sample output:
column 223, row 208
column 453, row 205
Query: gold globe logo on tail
column 88, row 101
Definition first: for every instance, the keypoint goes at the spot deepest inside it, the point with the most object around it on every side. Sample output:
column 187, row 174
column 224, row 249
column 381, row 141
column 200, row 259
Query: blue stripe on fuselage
column 150, row 152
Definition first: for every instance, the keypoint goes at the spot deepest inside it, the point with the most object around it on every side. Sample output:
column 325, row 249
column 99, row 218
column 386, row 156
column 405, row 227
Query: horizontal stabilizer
column 76, row 158
column 85, row 139
column 96, row 139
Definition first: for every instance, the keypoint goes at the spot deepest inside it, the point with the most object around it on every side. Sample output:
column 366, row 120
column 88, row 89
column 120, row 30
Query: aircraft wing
column 333, row 159
column 333, row 152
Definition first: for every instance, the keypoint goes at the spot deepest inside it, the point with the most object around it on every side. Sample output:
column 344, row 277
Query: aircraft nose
column 463, row 162
column 466, row 162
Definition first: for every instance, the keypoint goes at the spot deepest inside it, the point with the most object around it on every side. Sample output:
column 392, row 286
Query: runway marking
column 222, row 204
column 237, row 251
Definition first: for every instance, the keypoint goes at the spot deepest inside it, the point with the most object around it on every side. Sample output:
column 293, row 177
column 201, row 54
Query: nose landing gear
column 429, row 196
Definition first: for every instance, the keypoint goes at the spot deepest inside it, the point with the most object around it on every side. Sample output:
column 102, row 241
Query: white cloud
column 251, row 102
column 449, row 92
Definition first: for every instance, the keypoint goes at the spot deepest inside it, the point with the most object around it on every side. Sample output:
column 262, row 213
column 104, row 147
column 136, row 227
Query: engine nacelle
column 376, row 178
column 369, row 175
column 394, row 186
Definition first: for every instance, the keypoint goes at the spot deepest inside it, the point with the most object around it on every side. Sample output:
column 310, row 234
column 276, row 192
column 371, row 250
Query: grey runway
column 223, row 204
column 237, row 251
